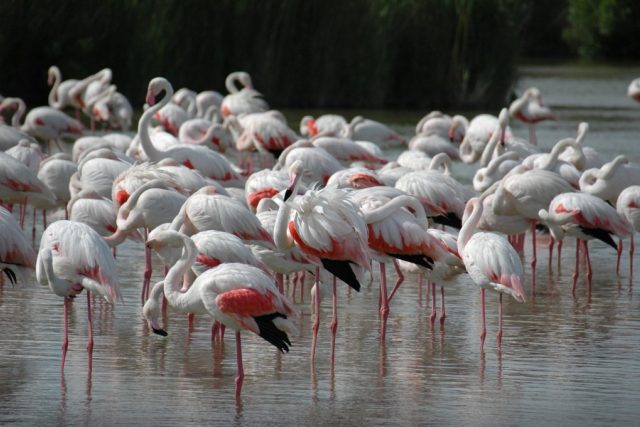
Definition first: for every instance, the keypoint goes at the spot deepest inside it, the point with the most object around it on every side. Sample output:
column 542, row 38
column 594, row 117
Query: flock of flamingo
column 232, row 199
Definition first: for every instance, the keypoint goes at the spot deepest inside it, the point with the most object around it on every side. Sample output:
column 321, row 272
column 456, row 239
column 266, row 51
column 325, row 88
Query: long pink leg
column 333, row 326
column 500, row 321
column 632, row 248
column 147, row 269
column 215, row 328
column 89, row 330
column 534, row 257
column 23, row 210
column 240, row 373
column 552, row 242
column 560, row 256
column 619, row 256
column 44, row 219
column 483, row 333
column 585, row 243
column 399, row 281
column 384, row 307
column 65, row 342
column 66, row 213
column 294, row 281
column 280, row 282
column 302, row 277
column 443, row 313
column 575, row 271
column 432, row 318
column 33, row 226
column 316, row 320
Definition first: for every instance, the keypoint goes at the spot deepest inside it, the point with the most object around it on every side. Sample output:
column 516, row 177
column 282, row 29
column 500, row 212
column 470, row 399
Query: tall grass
column 301, row 53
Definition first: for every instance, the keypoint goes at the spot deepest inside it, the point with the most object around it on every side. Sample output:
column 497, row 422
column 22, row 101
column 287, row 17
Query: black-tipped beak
column 161, row 332
column 287, row 193
column 11, row 275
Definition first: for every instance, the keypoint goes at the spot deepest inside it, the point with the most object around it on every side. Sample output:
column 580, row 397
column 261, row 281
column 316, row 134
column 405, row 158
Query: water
column 564, row 359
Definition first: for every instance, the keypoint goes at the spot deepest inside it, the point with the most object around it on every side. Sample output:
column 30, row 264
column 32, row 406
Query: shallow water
column 564, row 360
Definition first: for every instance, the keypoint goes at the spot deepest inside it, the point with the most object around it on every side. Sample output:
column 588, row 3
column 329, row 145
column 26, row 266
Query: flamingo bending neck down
column 491, row 262
column 240, row 296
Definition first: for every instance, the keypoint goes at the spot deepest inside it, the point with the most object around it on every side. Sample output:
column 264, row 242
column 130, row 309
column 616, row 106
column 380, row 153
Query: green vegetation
column 307, row 53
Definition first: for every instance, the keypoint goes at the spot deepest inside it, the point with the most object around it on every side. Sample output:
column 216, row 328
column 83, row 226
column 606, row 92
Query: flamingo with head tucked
column 73, row 258
column 491, row 262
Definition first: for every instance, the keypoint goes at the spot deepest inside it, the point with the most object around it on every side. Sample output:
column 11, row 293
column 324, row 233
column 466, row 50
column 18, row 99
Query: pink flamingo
column 73, row 257
column 370, row 130
column 628, row 206
column 327, row 227
column 59, row 95
column 327, row 124
column 530, row 109
column 491, row 262
column 266, row 132
column 242, row 101
column 240, row 296
column 586, row 217
column 209, row 163
column 346, row 150
column 318, row 165
column 633, row 91
column 16, row 254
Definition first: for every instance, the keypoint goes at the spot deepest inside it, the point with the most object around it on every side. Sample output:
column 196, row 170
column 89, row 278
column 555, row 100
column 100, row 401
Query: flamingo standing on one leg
column 73, row 257
column 529, row 109
column 240, row 296
column 491, row 262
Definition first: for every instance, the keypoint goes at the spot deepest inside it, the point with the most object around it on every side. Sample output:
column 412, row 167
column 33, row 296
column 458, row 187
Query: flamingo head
column 295, row 173
column 157, row 86
column 151, row 312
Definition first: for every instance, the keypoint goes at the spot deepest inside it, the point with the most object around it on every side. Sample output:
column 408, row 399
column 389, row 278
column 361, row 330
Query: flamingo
column 370, row 130
column 266, row 132
column 477, row 136
column 207, row 99
column 207, row 132
column 59, row 94
column 51, row 125
column 209, row 163
column 346, row 150
column 327, row 124
column 16, row 254
column 356, row 178
column 55, row 172
column 586, row 217
column 633, row 91
column 12, row 135
column 491, row 262
column 395, row 233
column 171, row 117
column 73, row 257
column 242, row 101
column 613, row 177
column 19, row 184
column 240, row 296
column 27, row 153
column 208, row 210
column 98, row 174
column 264, row 184
column 326, row 226
column 530, row 109
column 587, row 157
column 317, row 164
column 151, row 205
column 628, row 206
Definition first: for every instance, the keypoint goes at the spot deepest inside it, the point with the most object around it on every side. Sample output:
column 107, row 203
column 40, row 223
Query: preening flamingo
column 327, row 227
column 613, row 177
column 73, row 257
column 491, row 262
column 586, row 217
column 327, row 124
column 240, row 296
column 59, row 95
column 242, row 101
column 370, row 130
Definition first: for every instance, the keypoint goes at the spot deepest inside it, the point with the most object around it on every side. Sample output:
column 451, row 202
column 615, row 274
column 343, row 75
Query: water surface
column 564, row 360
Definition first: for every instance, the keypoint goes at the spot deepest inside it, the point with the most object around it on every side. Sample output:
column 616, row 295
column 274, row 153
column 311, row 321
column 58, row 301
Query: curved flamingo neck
column 17, row 116
column 495, row 163
column 441, row 160
column 392, row 207
column 152, row 152
column 557, row 149
column 470, row 223
column 487, row 153
column 230, row 81
column 610, row 168
column 53, row 93
column 173, row 280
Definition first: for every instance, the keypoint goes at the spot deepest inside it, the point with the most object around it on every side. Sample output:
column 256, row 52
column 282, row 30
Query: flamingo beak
column 151, row 98
column 295, row 177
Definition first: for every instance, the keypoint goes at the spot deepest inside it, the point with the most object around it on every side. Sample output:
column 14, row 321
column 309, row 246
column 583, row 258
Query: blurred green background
column 402, row 54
